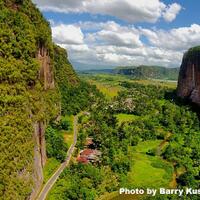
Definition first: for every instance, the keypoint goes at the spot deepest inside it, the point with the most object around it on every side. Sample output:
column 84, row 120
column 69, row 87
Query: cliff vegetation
column 29, row 95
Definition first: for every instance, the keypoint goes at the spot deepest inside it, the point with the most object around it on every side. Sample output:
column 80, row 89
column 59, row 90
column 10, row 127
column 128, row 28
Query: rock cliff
column 29, row 97
column 34, row 75
column 189, row 76
column 46, row 70
column 46, row 76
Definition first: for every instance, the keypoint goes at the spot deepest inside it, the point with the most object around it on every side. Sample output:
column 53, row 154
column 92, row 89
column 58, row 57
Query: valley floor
column 136, row 127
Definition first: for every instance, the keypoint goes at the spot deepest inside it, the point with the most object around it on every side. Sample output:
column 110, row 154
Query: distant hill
column 145, row 72
column 96, row 71
column 139, row 72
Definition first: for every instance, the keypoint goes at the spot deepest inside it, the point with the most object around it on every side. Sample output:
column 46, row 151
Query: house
column 89, row 155
column 82, row 160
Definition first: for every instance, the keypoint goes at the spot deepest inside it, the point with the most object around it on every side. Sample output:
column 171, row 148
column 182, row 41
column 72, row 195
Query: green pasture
column 125, row 117
column 111, row 80
column 69, row 135
column 146, row 171
column 149, row 170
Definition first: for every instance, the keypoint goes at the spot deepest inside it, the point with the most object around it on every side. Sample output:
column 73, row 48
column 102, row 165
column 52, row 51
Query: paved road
column 47, row 187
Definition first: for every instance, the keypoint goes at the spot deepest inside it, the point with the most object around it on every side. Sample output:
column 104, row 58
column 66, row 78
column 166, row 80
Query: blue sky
column 104, row 34
column 187, row 16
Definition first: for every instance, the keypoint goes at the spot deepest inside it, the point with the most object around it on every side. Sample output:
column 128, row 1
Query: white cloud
column 114, row 34
column 128, row 10
column 142, row 55
column 176, row 39
column 67, row 34
column 111, row 44
column 171, row 12
column 75, row 48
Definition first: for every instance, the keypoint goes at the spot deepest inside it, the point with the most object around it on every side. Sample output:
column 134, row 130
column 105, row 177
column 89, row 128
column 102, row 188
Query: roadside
column 47, row 187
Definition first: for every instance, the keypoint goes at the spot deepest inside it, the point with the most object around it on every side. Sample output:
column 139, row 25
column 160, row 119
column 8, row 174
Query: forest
column 143, row 126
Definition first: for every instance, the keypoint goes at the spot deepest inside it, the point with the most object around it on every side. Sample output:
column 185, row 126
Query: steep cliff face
column 29, row 98
column 189, row 76
column 46, row 76
column 46, row 69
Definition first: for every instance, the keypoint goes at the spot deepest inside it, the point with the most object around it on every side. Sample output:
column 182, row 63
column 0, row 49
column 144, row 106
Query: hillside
column 189, row 82
column 30, row 95
column 152, row 72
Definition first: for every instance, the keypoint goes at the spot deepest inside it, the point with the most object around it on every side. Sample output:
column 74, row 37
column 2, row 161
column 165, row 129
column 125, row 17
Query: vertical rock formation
column 39, row 157
column 189, row 76
column 46, row 76
column 46, row 72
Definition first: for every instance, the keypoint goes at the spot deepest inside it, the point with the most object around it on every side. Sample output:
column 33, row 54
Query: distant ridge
column 139, row 72
column 145, row 72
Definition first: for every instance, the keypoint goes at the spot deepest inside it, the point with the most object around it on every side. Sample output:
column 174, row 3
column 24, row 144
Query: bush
column 64, row 124
column 56, row 147
column 151, row 152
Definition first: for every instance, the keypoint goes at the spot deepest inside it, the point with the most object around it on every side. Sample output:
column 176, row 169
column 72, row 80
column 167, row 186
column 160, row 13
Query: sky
column 99, row 34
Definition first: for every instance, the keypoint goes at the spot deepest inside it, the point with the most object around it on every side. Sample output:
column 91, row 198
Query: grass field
column 149, row 170
column 164, row 83
column 50, row 167
column 68, row 135
column 107, row 82
column 110, row 84
column 117, row 196
column 125, row 117
column 108, row 90
column 146, row 171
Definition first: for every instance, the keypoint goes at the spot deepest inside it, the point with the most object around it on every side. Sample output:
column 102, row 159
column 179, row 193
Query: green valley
column 90, row 132
column 136, row 130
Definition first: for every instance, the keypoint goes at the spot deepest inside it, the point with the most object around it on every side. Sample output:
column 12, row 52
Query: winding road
column 47, row 187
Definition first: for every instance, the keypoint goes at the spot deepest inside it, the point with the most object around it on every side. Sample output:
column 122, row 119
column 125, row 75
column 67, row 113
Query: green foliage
column 152, row 72
column 65, row 74
column 55, row 144
column 84, row 182
column 76, row 95
column 64, row 124
column 192, row 51
column 160, row 111
column 187, row 179
column 77, row 98
column 139, row 99
column 23, row 99
column 160, row 126
column 23, row 30
column 50, row 167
